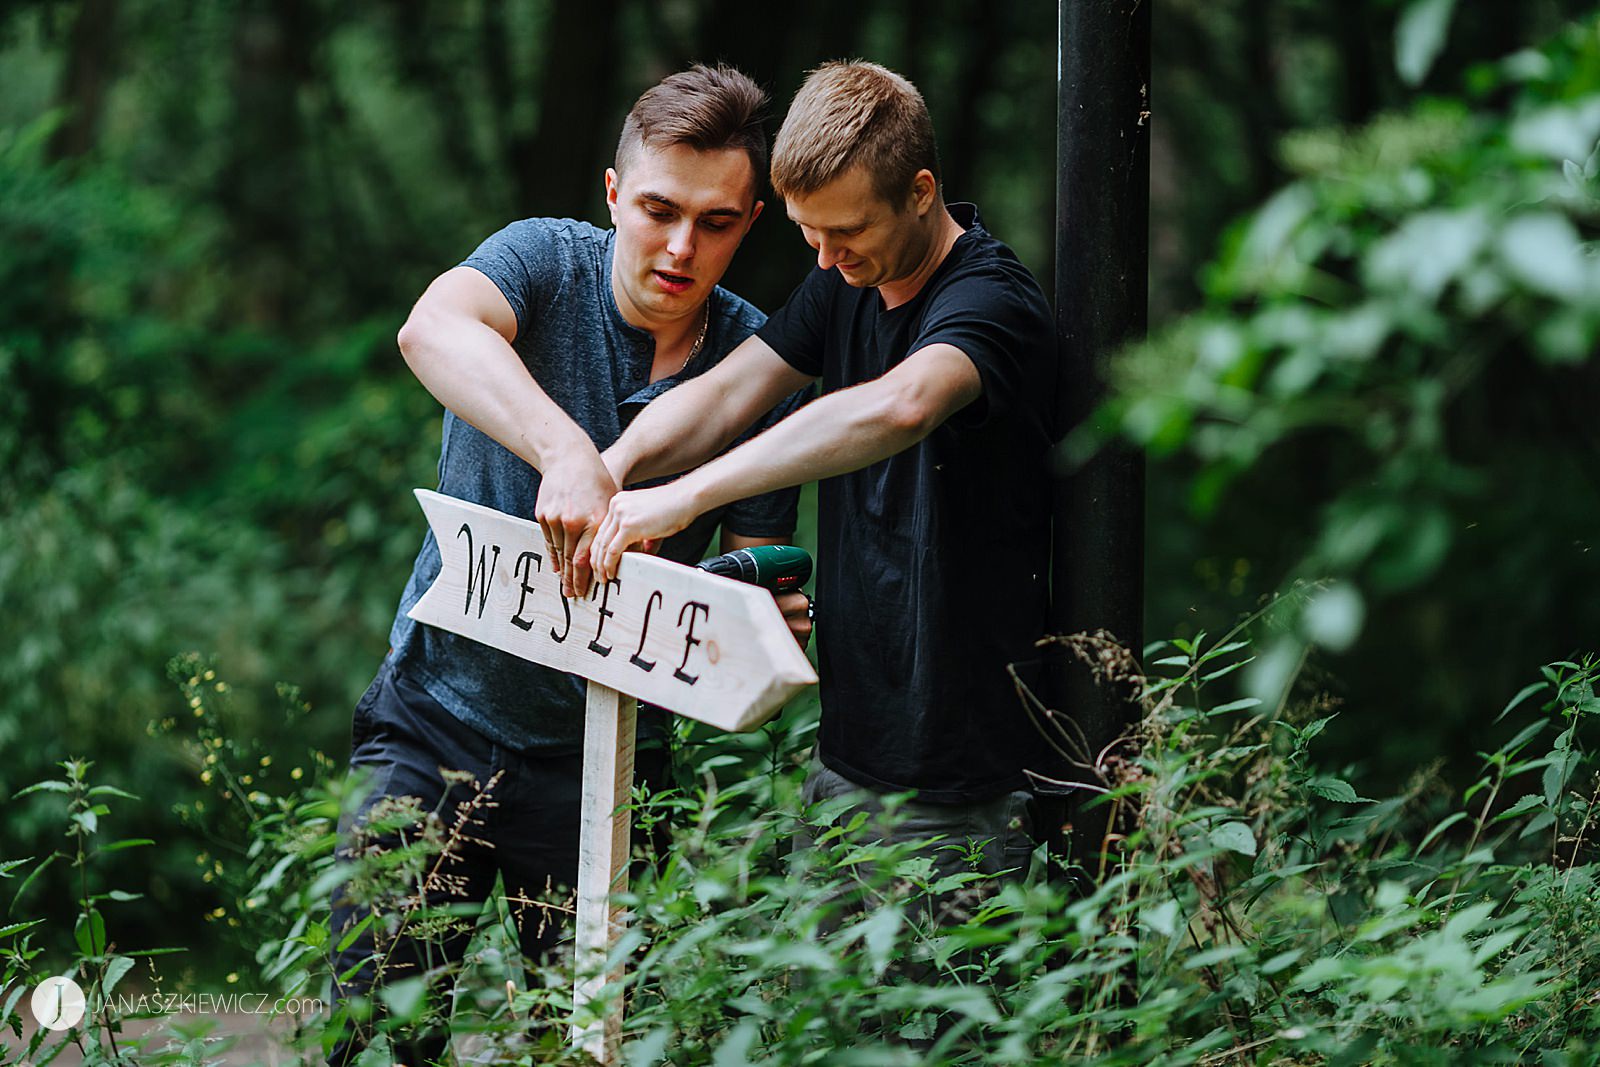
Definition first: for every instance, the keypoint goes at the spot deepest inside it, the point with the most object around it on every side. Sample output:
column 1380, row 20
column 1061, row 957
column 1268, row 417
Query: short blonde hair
column 849, row 114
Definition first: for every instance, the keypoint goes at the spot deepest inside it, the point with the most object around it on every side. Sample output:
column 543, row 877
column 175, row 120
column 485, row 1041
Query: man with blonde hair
column 936, row 352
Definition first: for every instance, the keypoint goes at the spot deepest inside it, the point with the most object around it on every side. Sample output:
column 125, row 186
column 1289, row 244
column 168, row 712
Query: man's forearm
column 838, row 433
column 473, row 371
column 676, row 431
column 841, row 432
column 696, row 420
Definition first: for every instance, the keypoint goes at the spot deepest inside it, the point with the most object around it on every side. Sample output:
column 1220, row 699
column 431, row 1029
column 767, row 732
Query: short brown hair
column 854, row 113
column 706, row 108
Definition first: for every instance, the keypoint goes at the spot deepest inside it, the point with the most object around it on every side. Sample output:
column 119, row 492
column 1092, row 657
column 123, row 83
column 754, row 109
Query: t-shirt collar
column 966, row 216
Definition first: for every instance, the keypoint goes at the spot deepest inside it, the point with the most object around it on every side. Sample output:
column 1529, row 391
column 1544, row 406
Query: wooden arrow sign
column 707, row 647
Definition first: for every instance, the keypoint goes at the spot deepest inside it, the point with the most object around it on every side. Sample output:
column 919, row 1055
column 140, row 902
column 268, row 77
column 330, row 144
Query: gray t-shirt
column 556, row 275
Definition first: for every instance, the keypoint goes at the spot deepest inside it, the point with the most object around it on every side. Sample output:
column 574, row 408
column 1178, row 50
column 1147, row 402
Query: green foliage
column 146, row 508
column 207, row 443
column 95, row 958
column 1387, row 339
column 1258, row 907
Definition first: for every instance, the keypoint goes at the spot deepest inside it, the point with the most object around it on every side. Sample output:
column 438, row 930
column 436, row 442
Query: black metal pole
column 1102, row 238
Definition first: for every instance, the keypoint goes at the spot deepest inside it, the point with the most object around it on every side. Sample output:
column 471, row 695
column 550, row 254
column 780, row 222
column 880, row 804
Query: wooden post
column 705, row 647
column 608, row 740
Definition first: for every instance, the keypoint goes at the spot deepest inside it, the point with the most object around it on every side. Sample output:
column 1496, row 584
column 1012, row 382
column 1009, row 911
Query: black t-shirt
column 932, row 563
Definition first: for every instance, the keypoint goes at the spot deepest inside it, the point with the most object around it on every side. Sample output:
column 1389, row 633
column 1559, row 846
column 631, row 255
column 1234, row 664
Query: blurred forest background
column 215, row 214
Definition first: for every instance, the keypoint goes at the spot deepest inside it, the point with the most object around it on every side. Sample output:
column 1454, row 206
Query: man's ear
column 612, row 182
column 924, row 190
column 755, row 213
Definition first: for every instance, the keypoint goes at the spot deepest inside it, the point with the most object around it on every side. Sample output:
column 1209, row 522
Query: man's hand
column 796, row 608
column 574, row 493
column 636, row 518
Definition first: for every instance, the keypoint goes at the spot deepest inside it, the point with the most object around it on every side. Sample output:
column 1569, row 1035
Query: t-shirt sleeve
column 995, row 323
column 774, row 514
column 796, row 331
column 523, row 260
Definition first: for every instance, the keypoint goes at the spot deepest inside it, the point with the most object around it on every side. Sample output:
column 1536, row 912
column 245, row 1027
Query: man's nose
column 828, row 253
column 680, row 241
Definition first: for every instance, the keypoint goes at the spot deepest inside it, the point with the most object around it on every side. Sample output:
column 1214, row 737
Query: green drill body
column 775, row 568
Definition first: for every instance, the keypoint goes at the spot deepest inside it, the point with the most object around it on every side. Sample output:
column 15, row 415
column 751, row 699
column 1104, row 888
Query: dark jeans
column 1003, row 826
column 528, row 834
column 1001, row 831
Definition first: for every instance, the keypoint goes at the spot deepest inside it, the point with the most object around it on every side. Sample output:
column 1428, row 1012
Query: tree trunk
column 558, row 168
column 263, row 180
column 86, row 77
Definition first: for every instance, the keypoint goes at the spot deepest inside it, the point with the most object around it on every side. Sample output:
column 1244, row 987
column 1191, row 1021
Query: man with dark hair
column 937, row 357
column 541, row 346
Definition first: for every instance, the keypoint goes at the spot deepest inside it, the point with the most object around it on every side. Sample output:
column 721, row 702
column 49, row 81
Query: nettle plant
column 93, row 958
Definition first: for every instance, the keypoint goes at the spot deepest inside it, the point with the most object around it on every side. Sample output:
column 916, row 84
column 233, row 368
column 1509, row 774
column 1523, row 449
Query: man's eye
column 658, row 214
column 716, row 224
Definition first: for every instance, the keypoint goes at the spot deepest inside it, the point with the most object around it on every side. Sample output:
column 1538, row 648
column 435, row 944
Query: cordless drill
column 775, row 568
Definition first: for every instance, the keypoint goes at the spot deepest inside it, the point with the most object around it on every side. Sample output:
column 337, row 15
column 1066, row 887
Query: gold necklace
column 699, row 342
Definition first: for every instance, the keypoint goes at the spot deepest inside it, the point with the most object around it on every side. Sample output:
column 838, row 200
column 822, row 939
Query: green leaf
column 1236, row 837
column 1222, row 650
column 1281, row 960
column 1314, row 729
column 1336, row 789
column 112, row 791
column 649, row 1050
column 1229, row 669
column 1219, row 954
column 16, row 928
column 405, row 998
column 32, row 876
column 1422, row 256
column 11, row 1005
column 90, row 933
column 738, row 1048
column 355, row 931
column 51, row 786
column 115, row 970
column 1544, row 252
column 1523, row 805
column 1163, row 918
column 1538, row 824
column 1320, row 972
column 1420, row 38
column 127, row 842
column 1444, row 825
column 1557, row 773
